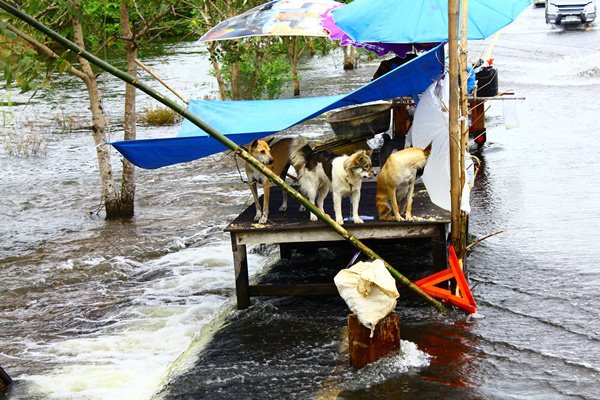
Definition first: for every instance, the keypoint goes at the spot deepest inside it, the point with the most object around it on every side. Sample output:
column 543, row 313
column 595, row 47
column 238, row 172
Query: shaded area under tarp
column 244, row 121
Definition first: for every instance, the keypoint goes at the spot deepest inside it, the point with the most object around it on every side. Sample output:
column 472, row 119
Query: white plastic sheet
column 511, row 119
column 369, row 290
column 430, row 125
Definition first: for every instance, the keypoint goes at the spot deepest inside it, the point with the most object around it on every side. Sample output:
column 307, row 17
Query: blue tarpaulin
column 244, row 121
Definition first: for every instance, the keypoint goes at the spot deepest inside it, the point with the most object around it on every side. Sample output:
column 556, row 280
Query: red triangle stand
column 464, row 300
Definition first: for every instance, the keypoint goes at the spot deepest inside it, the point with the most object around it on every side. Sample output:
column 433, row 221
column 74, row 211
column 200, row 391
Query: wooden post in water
column 464, row 124
column 5, row 379
column 364, row 349
column 457, row 150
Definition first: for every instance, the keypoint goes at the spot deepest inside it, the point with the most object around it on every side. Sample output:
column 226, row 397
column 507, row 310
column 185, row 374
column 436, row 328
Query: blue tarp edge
column 409, row 79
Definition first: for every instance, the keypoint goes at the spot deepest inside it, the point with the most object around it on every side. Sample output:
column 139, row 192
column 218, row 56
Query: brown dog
column 396, row 183
column 276, row 158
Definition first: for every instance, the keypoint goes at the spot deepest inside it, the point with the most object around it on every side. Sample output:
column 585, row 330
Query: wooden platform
column 291, row 229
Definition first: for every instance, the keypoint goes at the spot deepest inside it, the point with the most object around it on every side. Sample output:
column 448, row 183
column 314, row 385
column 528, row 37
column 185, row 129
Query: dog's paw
column 313, row 217
column 301, row 208
column 358, row 221
column 398, row 218
column 340, row 221
column 283, row 208
column 263, row 219
column 257, row 217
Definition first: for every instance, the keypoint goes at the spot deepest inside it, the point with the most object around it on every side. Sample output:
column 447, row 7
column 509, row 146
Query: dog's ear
column 254, row 143
column 369, row 152
column 269, row 140
column 427, row 150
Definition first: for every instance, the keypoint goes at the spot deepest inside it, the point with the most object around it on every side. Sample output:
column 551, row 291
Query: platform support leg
column 240, row 263
column 439, row 249
column 285, row 251
column 5, row 380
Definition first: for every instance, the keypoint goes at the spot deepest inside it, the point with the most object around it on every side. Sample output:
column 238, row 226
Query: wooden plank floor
column 292, row 219
column 292, row 228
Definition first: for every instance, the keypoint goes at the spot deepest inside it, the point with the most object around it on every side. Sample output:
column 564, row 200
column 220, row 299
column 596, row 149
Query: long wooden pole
column 165, row 84
column 464, row 123
column 455, row 136
column 240, row 151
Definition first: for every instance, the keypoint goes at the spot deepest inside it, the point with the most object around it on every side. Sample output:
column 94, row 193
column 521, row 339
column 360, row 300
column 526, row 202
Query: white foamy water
column 409, row 358
column 133, row 358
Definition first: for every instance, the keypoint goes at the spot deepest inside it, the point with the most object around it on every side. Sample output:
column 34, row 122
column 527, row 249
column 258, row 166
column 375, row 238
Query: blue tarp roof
column 244, row 121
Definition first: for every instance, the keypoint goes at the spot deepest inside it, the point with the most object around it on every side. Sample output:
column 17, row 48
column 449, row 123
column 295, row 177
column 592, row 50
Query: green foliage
column 24, row 67
column 263, row 65
column 323, row 46
column 269, row 78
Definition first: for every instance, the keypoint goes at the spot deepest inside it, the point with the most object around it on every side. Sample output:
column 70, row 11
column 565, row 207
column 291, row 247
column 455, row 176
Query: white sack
column 430, row 125
column 369, row 290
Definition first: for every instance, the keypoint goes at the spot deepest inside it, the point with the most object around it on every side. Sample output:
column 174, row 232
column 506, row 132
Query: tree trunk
column 349, row 58
column 236, row 90
column 294, row 51
column 309, row 45
column 217, row 69
column 108, row 192
column 127, row 203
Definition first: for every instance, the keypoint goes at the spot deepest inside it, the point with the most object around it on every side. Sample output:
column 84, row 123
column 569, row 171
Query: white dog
column 319, row 172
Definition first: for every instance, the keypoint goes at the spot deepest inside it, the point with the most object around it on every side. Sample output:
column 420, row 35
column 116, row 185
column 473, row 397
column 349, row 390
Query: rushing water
column 91, row 309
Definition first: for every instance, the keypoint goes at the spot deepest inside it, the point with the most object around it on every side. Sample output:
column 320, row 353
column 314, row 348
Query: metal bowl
column 361, row 120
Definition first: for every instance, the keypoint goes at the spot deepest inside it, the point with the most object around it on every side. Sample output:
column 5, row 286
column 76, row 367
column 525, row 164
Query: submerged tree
column 92, row 25
column 256, row 67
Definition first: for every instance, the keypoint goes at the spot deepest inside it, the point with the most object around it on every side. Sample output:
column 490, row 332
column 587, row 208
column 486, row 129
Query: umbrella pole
column 464, row 123
column 225, row 141
column 454, row 127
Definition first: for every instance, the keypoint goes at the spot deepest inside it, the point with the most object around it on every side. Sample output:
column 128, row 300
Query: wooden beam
column 321, row 234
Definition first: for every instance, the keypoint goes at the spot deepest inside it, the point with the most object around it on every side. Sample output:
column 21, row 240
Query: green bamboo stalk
column 240, row 151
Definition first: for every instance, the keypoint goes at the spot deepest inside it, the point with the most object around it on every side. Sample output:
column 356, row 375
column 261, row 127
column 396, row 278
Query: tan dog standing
column 276, row 158
column 396, row 183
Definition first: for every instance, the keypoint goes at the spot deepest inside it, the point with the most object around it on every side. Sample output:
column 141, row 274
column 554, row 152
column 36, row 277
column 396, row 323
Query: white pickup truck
column 570, row 12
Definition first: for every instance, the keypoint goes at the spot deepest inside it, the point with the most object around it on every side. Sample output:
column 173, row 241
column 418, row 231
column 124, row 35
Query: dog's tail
column 299, row 151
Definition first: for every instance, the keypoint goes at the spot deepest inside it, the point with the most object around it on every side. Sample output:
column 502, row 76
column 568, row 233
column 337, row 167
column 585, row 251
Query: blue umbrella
column 421, row 21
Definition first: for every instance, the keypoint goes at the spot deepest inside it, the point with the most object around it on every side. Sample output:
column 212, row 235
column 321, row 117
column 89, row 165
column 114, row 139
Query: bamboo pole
column 240, row 151
column 455, row 135
column 165, row 84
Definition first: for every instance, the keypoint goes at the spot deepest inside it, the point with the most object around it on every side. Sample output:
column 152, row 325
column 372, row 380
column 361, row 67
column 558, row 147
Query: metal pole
column 240, row 151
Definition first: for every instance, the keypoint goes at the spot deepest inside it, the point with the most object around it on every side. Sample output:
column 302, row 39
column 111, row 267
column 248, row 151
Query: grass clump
column 27, row 145
column 160, row 116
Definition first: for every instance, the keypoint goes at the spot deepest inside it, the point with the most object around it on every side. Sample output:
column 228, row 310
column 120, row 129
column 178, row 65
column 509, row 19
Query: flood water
column 145, row 309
